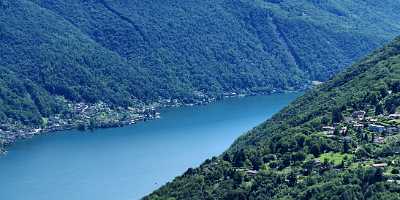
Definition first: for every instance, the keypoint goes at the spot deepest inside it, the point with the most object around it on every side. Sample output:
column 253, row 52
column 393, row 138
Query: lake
column 130, row 162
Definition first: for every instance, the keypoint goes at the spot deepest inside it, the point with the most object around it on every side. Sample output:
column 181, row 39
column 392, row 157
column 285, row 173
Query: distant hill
column 122, row 52
column 338, row 141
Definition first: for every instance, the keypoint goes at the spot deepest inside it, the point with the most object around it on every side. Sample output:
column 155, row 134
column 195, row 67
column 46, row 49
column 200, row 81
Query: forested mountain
column 340, row 140
column 121, row 51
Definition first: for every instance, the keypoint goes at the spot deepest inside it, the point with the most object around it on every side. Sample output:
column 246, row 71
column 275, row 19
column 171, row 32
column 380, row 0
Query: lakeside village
column 84, row 116
column 79, row 116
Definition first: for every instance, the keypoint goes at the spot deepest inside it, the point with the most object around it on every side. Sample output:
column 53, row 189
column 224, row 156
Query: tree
column 292, row 179
column 226, row 157
column 378, row 176
column 379, row 109
column 308, row 167
column 236, row 195
column 81, row 127
column 373, row 137
column 360, row 133
column 189, row 172
column 324, row 120
column 395, row 86
column 298, row 156
column 337, row 116
column 315, row 149
column 365, row 138
column 372, row 98
column 342, row 164
column 383, row 91
column 92, row 124
column 346, row 196
column 346, row 146
column 239, row 158
column 256, row 163
column 361, row 152
column 392, row 103
column 336, row 131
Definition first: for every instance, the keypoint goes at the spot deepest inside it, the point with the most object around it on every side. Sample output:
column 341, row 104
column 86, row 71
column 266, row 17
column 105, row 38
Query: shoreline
column 147, row 112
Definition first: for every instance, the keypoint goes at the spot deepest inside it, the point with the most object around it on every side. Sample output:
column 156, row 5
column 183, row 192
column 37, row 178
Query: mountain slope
column 338, row 141
column 233, row 34
column 122, row 52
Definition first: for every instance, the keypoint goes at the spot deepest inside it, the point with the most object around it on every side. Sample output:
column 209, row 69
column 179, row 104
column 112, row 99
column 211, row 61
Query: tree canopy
column 120, row 51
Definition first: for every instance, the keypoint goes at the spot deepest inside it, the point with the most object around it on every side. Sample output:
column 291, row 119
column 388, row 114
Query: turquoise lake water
column 130, row 162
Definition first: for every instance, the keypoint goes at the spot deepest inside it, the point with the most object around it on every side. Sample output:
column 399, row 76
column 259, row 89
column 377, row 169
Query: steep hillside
column 122, row 52
column 339, row 141
column 41, row 50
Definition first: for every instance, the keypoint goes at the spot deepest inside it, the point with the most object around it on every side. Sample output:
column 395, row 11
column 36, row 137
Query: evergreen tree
column 346, row 146
column 292, row 179
column 337, row 116
column 226, row 157
column 239, row 158
column 379, row 109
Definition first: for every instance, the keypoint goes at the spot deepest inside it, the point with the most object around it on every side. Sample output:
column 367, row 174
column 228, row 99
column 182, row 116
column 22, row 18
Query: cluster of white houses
column 358, row 120
column 80, row 114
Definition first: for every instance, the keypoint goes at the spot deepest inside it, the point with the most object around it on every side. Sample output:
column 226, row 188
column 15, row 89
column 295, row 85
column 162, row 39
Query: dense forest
column 122, row 52
column 340, row 141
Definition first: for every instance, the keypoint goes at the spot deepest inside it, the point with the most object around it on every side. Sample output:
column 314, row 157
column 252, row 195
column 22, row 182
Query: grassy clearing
column 335, row 158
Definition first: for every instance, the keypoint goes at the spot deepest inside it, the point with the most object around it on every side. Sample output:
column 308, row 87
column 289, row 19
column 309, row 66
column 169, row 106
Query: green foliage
column 336, row 158
column 300, row 162
column 122, row 51
column 337, row 116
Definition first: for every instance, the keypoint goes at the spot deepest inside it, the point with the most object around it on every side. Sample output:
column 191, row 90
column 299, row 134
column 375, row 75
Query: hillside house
column 349, row 120
column 379, row 140
column 394, row 116
column 358, row 126
column 251, row 172
column 358, row 115
column 347, row 139
column 371, row 119
column 380, row 165
column 376, row 128
column 393, row 130
column 328, row 129
column 343, row 130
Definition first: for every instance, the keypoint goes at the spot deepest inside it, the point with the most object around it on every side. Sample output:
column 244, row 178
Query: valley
column 129, row 162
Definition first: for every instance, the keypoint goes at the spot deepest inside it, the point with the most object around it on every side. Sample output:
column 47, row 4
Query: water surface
column 130, row 162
